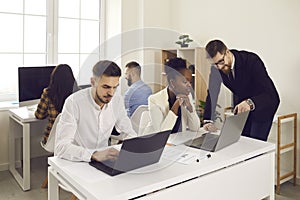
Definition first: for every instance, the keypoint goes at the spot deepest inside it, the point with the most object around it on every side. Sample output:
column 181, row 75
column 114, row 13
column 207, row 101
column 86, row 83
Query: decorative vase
column 184, row 45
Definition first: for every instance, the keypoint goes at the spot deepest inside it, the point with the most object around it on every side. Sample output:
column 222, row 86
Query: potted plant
column 184, row 41
column 200, row 111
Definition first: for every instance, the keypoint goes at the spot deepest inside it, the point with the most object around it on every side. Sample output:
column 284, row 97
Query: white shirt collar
column 232, row 66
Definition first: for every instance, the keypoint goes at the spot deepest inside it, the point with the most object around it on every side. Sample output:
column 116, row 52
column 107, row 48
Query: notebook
column 229, row 134
column 135, row 153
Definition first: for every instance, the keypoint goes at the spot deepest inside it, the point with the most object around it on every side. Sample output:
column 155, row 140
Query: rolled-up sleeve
column 65, row 135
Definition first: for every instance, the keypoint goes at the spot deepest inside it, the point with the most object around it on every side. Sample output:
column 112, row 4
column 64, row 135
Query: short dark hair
column 135, row 65
column 173, row 67
column 107, row 68
column 215, row 46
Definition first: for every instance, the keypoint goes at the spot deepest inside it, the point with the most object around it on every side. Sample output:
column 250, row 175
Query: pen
column 207, row 156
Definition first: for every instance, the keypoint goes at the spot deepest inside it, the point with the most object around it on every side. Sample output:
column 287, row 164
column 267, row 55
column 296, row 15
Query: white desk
column 24, row 118
column 244, row 170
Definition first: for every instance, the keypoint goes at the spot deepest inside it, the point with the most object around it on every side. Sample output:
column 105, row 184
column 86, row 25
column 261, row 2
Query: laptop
column 229, row 134
column 135, row 153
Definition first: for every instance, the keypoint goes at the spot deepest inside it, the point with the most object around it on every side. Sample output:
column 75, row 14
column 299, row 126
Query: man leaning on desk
column 88, row 118
column 245, row 75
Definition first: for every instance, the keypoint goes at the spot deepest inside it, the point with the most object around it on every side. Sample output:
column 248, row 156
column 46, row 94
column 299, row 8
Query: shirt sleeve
column 214, row 85
column 160, row 122
column 42, row 108
column 193, row 121
column 65, row 134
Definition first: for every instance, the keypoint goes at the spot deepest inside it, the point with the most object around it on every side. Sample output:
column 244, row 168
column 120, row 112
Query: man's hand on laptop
column 210, row 127
column 107, row 154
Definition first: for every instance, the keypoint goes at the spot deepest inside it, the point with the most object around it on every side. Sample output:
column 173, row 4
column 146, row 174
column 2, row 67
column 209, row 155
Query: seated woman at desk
column 62, row 84
column 172, row 107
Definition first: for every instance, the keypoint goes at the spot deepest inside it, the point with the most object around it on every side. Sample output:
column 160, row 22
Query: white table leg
column 24, row 181
column 26, row 156
column 53, row 192
column 12, row 159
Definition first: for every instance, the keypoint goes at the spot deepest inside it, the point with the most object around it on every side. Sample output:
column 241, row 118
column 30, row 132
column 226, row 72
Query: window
column 26, row 24
column 78, row 32
column 27, row 39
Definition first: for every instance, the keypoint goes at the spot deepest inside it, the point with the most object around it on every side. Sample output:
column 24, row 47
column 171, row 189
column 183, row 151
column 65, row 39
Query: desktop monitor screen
column 32, row 81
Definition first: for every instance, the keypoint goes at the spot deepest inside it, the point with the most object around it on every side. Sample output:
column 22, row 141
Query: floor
column 10, row 190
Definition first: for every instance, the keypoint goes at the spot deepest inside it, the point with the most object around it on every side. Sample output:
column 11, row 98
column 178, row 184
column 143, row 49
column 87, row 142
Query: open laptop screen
column 135, row 153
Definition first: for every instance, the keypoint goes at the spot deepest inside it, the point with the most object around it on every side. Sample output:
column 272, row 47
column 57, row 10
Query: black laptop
column 230, row 133
column 135, row 153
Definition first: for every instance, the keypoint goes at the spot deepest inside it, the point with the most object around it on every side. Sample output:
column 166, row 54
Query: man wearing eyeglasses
column 245, row 75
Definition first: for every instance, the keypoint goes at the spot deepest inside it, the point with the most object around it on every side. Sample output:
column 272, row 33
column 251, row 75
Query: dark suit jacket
column 251, row 81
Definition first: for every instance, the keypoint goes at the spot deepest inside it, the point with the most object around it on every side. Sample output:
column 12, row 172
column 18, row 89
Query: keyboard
column 32, row 107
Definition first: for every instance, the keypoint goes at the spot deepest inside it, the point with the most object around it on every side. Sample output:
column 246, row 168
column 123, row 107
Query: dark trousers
column 257, row 130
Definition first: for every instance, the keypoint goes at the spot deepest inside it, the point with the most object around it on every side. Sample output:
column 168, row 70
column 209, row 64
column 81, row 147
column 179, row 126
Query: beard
column 104, row 101
column 226, row 69
column 129, row 82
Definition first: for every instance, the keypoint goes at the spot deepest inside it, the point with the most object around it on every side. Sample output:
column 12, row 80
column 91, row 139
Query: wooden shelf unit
column 193, row 56
column 282, row 175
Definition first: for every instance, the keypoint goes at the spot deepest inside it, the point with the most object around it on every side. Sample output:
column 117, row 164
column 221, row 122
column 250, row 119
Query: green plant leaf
column 201, row 104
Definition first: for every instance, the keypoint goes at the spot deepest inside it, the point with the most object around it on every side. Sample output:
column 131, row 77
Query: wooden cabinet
column 196, row 57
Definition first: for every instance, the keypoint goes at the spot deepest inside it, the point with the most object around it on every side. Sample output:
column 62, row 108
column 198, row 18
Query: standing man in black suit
column 245, row 75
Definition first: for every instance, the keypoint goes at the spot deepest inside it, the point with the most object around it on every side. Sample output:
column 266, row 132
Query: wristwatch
column 207, row 121
column 251, row 104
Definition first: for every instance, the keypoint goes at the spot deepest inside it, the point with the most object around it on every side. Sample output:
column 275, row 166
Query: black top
column 251, row 80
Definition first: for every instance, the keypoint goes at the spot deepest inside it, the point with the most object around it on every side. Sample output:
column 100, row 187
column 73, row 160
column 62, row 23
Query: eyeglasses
column 221, row 62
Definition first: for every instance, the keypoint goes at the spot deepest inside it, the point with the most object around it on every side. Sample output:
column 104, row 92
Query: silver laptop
column 230, row 133
column 135, row 153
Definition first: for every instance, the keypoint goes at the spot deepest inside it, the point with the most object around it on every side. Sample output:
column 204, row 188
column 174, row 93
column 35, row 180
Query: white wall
column 4, row 140
column 271, row 28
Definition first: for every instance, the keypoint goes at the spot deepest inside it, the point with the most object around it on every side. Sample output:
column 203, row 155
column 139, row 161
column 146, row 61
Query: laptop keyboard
column 105, row 165
column 210, row 142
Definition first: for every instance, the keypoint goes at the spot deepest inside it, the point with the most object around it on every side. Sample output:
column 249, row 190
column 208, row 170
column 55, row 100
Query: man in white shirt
column 89, row 115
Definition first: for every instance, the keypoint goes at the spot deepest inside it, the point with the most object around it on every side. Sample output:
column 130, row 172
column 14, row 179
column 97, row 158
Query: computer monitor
column 32, row 81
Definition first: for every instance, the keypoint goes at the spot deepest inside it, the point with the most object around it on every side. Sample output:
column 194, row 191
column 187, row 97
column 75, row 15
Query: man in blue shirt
column 138, row 92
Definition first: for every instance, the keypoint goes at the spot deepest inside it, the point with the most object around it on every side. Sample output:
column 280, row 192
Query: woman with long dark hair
column 62, row 84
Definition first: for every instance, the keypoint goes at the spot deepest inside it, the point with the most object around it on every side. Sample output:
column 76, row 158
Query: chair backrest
column 49, row 146
column 145, row 119
column 136, row 117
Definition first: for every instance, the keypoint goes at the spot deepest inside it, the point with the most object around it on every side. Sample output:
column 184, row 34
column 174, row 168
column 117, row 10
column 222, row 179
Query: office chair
column 135, row 122
column 136, row 117
column 49, row 146
column 145, row 119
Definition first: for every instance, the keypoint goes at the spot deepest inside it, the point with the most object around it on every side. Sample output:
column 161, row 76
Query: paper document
column 182, row 137
column 182, row 154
